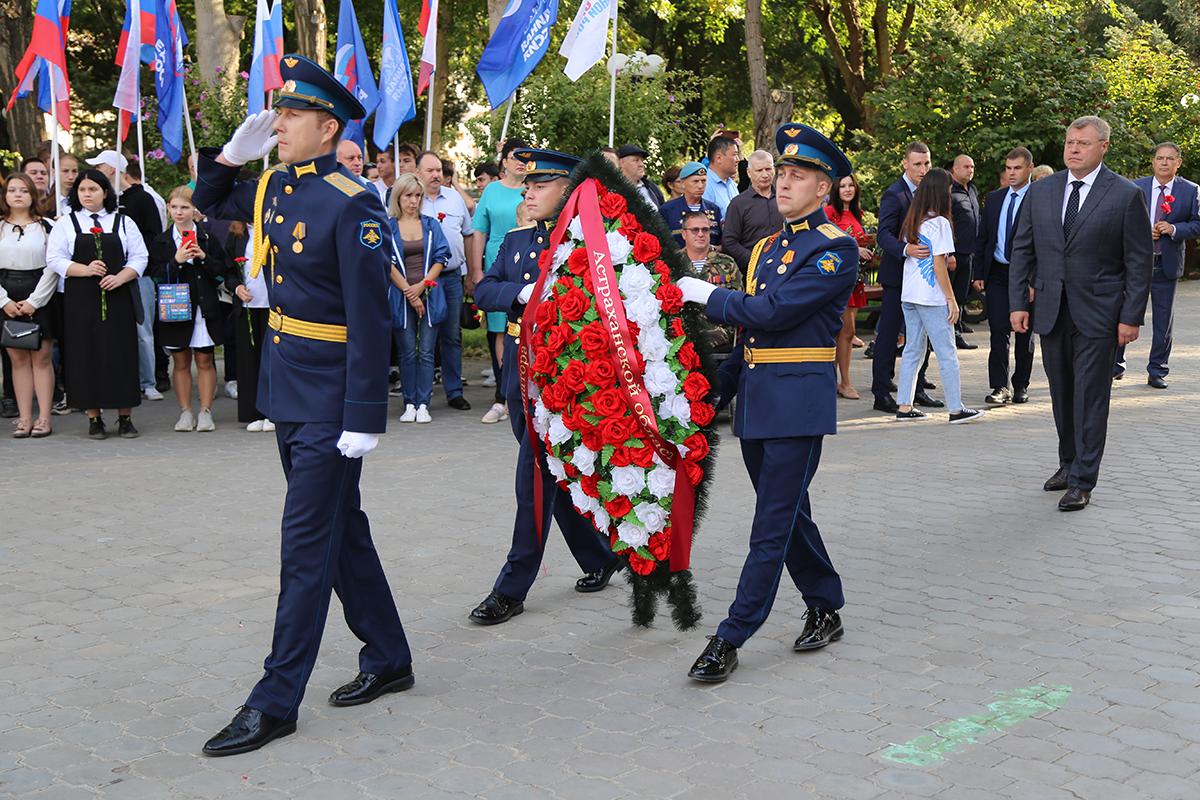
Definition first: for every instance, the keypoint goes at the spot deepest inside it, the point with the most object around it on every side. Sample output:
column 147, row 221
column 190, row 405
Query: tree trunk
column 311, row 29
column 772, row 107
column 22, row 128
column 495, row 11
column 218, row 37
column 441, row 75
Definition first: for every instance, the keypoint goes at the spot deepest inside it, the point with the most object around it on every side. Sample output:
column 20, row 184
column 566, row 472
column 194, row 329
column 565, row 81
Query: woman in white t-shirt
column 927, row 298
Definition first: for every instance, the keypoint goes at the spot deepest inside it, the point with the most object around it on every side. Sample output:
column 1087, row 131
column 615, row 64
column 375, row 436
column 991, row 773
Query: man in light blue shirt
column 721, row 187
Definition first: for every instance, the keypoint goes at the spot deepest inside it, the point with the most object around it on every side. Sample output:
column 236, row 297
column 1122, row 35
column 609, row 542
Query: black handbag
column 21, row 335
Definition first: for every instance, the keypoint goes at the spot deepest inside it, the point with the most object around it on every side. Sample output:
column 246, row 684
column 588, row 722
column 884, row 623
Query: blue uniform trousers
column 590, row 550
column 1162, row 303
column 326, row 544
column 783, row 534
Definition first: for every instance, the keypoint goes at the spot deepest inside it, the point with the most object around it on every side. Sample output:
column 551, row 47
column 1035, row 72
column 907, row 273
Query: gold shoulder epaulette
column 521, row 228
column 831, row 230
column 279, row 168
column 348, row 186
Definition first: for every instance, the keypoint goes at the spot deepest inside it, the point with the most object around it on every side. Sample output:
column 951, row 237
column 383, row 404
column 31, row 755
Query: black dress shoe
column 8, row 409
column 96, row 429
column 964, row 329
column 928, row 385
column 1118, row 375
column 496, row 608
column 366, row 687
column 963, row 344
column 1156, row 382
column 820, row 628
column 1074, row 500
column 249, row 730
column 1020, row 396
column 923, row 399
column 595, row 581
column 460, row 403
column 1057, row 481
column 125, row 428
column 886, row 403
column 869, row 350
column 716, row 663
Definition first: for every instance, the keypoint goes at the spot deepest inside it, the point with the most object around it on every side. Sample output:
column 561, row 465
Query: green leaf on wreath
column 590, row 315
column 606, row 454
column 633, row 442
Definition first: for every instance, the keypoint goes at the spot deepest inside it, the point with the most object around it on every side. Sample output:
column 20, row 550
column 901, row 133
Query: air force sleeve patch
column 369, row 234
column 829, row 262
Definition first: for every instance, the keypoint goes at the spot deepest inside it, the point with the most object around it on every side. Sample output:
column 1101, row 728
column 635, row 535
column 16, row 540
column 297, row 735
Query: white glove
column 357, row 445
column 525, row 294
column 695, row 290
column 252, row 140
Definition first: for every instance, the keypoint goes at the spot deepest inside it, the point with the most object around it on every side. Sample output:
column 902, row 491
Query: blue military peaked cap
column 807, row 147
column 307, row 86
column 545, row 165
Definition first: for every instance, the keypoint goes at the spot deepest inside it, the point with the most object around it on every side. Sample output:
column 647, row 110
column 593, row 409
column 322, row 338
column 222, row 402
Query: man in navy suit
column 1172, row 203
column 992, row 255
column 893, row 207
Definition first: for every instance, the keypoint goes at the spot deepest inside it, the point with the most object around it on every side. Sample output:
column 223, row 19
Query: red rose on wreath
column 697, row 446
column 660, row 545
column 590, row 485
column 613, row 205
column 544, row 362
column 560, row 336
column 677, row 327
column 663, row 270
column 573, row 418
column 618, row 507
column 574, row 304
column 594, row 340
column 593, row 439
column 572, row 375
column 646, row 248
column 608, row 403
column 621, row 457
column 694, row 472
column 696, row 386
column 544, row 259
column 642, row 456
column 565, row 283
column 547, row 314
column 702, row 413
column 642, row 566
column 671, row 297
column 577, row 262
column 616, row 430
column 601, row 372
column 688, row 357
column 555, row 397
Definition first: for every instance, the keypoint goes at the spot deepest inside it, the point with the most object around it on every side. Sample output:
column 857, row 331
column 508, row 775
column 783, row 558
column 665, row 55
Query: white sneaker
column 422, row 414
column 204, row 421
column 186, row 421
column 489, row 381
column 231, row 390
column 488, row 373
column 410, row 413
column 150, row 393
column 256, row 426
column 496, row 413
column 268, row 426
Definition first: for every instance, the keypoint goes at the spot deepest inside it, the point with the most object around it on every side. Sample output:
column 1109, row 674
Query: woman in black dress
column 250, row 312
column 100, row 253
column 185, row 254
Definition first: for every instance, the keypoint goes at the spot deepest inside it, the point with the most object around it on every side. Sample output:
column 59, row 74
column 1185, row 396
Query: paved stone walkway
column 138, row 579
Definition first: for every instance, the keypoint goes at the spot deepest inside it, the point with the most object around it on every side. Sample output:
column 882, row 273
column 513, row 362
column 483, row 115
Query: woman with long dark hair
column 845, row 211
column 927, row 298
column 100, row 252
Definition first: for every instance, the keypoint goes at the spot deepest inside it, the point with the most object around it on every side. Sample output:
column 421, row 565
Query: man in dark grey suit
column 1083, row 244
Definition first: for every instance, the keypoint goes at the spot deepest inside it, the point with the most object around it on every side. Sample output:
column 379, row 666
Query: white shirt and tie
column 1088, row 180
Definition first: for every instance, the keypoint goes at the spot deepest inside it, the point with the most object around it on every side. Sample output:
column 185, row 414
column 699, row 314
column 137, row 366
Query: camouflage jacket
column 721, row 270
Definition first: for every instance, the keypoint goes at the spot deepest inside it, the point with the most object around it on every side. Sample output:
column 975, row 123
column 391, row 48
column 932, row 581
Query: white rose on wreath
column 660, row 380
column 619, row 247
column 635, row 279
column 652, row 515
column 628, row 481
column 632, row 535
column 556, row 467
column 661, row 481
column 653, row 343
column 643, row 308
column 584, row 460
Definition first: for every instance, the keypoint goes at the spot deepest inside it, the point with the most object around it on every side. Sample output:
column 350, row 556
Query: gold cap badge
column 291, row 62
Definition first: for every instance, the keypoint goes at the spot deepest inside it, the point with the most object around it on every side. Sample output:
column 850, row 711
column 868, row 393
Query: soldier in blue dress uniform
column 324, row 241
column 797, row 284
column 508, row 287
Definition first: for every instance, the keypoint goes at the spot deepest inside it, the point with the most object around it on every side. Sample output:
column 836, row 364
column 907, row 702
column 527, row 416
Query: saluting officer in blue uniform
column 323, row 240
column 797, row 284
column 507, row 287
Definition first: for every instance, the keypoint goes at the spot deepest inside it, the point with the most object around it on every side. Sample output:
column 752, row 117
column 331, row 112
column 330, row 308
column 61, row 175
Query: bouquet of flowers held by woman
column 623, row 402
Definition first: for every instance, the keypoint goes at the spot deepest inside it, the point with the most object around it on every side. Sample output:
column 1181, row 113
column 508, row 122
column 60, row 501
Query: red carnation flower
column 694, row 472
column 574, row 304
column 590, row 485
column 646, row 248
column 241, row 259
column 621, row 457
column 642, row 456
column 635, row 330
column 630, row 226
column 601, row 372
column 96, row 230
column 613, row 205
column 571, row 470
column 594, row 340
column 608, row 403
column 618, row 507
column 544, row 259
column 671, row 297
column 696, row 386
column 660, row 545
column 702, row 413
column 577, row 262
column 663, row 270
column 697, row 446
column 441, row 216
column 688, row 357
column 642, row 566
column 573, row 375
column 677, row 327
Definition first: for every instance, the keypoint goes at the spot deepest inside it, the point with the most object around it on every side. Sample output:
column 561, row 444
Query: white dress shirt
column 449, row 209
column 25, row 249
column 1088, row 180
column 62, row 240
column 1156, row 195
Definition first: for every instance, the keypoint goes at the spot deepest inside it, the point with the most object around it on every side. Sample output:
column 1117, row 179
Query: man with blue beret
column 507, row 287
column 797, row 283
column 325, row 243
column 693, row 177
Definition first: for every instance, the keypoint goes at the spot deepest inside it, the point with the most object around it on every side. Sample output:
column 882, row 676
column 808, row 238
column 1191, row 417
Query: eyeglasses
column 697, row 230
column 1080, row 142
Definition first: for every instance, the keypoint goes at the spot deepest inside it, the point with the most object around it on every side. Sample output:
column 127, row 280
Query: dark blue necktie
column 1008, row 225
column 1072, row 208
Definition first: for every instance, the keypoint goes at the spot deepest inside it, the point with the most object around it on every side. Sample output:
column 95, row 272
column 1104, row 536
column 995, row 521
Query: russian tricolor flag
column 46, row 59
column 268, row 44
column 428, row 29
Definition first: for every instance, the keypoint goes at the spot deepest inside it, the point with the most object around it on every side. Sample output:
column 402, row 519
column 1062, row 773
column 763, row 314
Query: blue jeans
column 415, row 344
column 145, row 333
column 450, row 333
column 929, row 324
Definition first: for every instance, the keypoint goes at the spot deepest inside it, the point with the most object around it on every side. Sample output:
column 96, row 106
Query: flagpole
column 270, row 105
column 141, row 144
column 118, row 151
column 429, row 118
column 507, row 115
column 187, row 120
column 612, row 88
column 54, row 141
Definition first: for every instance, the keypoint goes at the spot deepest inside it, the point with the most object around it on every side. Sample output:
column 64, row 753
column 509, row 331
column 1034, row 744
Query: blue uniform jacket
column 515, row 267
column 797, row 289
column 331, row 253
column 1185, row 216
column 672, row 213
